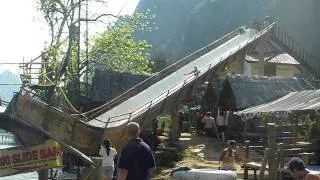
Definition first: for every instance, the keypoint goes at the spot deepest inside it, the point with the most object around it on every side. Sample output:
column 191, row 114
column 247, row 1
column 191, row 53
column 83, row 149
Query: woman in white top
column 108, row 153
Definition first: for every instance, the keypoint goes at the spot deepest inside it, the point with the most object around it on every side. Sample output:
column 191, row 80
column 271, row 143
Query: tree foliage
column 117, row 49
column 60, row 56
column 210, row 99
column 158, row 61
column 64, row 60
column 227, row 100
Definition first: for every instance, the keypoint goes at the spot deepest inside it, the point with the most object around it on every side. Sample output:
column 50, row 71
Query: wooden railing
column 129, row 116
column 295, row 49
column 162, row 74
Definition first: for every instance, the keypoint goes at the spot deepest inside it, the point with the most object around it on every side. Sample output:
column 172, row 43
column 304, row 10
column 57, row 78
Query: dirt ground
column 201, row 152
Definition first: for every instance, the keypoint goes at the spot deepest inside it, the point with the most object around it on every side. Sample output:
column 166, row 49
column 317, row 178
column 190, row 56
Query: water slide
column 164, row 88
column 138, row 104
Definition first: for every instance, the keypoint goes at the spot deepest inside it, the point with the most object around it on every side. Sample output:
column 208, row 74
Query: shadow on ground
column 202, row 152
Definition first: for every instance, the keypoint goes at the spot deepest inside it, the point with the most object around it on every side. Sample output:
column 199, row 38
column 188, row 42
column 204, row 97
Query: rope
column 64, row 95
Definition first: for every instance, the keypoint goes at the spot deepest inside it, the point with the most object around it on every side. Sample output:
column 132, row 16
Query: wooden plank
column 264, row 164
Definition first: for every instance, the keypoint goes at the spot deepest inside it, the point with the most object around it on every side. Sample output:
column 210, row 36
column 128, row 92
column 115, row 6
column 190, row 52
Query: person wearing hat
column 299, row 171
column 136, row 160
column 229, row 156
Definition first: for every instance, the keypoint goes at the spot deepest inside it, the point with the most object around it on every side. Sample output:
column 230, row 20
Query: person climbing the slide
column 195, row 71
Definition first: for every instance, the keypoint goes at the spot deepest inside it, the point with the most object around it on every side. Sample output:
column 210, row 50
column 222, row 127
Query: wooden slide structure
column 141, row 104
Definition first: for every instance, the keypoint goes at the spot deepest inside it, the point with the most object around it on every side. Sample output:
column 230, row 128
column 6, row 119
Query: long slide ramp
column 140, row 103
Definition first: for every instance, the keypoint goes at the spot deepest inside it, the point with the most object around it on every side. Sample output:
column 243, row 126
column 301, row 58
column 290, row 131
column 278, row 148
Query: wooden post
column 295, row 130
column 246, row 157
column 261, row 52
column 245, row 129
column 43, row 174
column 272, row 151
column 264, row 164
column 174, row 134
column 97, row 172
column 281, row 155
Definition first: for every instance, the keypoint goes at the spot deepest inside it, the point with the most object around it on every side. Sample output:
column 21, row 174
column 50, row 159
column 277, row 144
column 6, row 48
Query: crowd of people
column 213, row 127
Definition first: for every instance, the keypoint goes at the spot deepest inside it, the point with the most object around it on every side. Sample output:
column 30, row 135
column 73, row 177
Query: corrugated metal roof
column 283, row 58
column 254, row 58
column 294, row 101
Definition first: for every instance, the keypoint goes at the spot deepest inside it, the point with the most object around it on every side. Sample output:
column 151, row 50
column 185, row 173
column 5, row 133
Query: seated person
column 229, row 156
column 299, row 171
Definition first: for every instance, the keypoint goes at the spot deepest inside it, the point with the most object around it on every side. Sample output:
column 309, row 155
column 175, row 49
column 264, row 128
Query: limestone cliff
column 184, row 26
column 301, row 19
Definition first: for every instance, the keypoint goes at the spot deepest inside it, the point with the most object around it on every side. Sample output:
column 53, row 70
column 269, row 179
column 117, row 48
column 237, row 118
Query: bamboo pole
column 272, row 151
column 281, row 155
column 295, row 130
column 280, row 159
column 245, row 129
column 246, row 157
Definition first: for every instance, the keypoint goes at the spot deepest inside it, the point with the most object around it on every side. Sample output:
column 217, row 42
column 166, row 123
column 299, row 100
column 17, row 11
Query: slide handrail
column 296, row 49
column 162, row 74
column 175, row 88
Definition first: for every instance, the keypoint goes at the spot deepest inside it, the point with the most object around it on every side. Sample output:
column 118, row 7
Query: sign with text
column 24, row 159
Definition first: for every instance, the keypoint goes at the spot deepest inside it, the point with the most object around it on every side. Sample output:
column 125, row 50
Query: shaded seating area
column 290, row 129
column 277, row 155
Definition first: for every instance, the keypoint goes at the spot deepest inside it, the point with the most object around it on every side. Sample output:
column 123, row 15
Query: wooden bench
column 253, row 166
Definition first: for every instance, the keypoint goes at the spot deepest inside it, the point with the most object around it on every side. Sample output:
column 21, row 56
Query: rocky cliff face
column 301, row 19
column 184, row 26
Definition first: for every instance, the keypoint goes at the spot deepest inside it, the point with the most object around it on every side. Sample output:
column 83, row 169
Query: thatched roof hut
column 242, row 91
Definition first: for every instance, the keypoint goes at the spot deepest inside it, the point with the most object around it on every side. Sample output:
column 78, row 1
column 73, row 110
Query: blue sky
column 23, row 32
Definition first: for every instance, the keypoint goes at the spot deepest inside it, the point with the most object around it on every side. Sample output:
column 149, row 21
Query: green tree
column 116, row 48
column 227, row 100
column 65, row 63
column 210, row 99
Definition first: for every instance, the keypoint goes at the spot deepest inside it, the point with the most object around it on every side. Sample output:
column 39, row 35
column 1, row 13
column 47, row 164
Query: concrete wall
column 286, row 70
